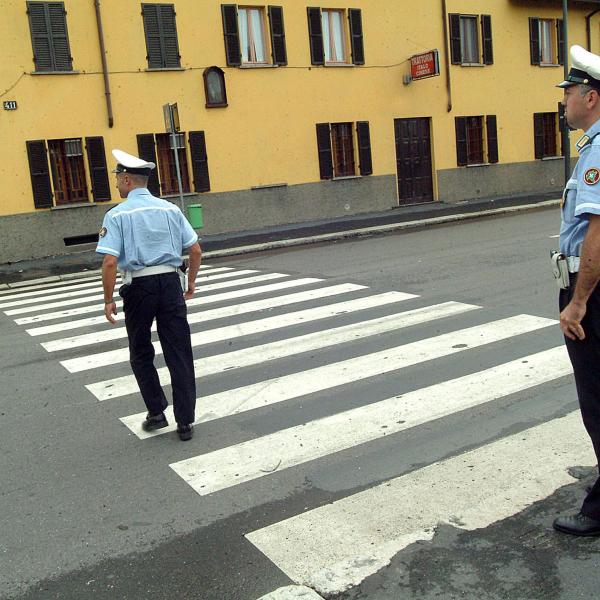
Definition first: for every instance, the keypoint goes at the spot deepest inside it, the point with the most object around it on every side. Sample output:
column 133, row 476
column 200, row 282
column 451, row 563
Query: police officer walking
column 580, row 244
column 144, row 238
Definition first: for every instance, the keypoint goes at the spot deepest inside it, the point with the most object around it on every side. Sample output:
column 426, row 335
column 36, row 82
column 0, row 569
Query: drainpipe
column 104, row 63
column 447, row 56
column 588, row 30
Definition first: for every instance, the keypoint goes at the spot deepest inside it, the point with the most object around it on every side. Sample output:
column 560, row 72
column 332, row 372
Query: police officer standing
column 580, row 245
column 144, row 238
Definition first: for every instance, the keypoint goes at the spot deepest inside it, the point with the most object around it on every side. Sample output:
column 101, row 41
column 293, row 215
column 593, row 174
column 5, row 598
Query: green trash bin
column 195, row 216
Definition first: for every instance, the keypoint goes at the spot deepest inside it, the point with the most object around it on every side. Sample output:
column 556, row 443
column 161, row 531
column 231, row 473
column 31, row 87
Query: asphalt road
column 90, row 510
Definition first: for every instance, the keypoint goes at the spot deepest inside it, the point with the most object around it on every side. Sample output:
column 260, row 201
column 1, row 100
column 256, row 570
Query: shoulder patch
column 103, row 232
column 591, row 176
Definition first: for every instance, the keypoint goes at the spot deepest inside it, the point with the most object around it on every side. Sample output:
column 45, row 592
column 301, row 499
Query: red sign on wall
column 424, row 65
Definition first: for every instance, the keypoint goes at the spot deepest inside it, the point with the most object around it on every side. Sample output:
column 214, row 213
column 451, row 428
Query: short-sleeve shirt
column 582, row 195
column 145, row 231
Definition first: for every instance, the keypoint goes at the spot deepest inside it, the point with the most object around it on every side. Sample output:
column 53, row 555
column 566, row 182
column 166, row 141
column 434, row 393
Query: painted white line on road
column 215, row 471
column 216, row 313
column 229, row 332
column 292, row 592
column 121, row 386
column 62, row 288
column 336, row 546
column 199, row 301
column 273, row 391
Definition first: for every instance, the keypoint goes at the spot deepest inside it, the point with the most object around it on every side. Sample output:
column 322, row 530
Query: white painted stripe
column 47, row 298
column 287, row 448
column 229, row 332
column 336, row 546
column 200, row 301
column 292, row 592
column 63, row 288
column 204, row 288
column 280, row 389
column 219, row 313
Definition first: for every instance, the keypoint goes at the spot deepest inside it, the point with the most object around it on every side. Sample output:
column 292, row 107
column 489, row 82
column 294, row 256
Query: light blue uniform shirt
column 144, row 231
column 582, row 195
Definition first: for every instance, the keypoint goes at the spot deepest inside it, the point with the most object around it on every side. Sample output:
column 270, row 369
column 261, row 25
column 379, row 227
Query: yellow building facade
column 287, row 113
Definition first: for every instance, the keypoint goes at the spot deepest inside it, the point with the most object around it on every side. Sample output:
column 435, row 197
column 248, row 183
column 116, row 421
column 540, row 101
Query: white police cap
column 585, row 69
column 127, row 163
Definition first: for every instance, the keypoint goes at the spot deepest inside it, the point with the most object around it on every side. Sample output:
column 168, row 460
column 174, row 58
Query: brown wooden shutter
column 315, row 34
column 233, row 51
column 40, row 174
column 461, row 141
column 486, row 34
column 324, row 148
column 538, row 134
column 560, row 36
column 356, row 36
column 492, row 138
column 363, row 135
column 98, row 171
column 48, row 26
column 199, row 157
column 534, row 40
column 455, row 52
column 277, row 28
column 147, row 151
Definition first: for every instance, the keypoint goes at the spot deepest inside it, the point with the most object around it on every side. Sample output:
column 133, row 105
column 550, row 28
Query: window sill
column 258, row 66
column 346, row 177
column 75, row 205
column 336, row 64
column 546, row 65
column 473, row 65
column 476, row 165
column 165, row 69
column 185, row 195
column 268, row 186
column 552, row 158
column 55, row 72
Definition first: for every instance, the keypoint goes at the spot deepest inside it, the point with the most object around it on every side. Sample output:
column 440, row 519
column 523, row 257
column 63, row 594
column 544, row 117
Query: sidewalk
column 415, row 216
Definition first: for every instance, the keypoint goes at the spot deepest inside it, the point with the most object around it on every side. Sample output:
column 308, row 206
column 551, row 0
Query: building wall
column 266, row 136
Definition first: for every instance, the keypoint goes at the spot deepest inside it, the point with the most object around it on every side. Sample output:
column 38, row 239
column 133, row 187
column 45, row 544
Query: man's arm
column 587, row 279
column 195, row 257
column 109, row 277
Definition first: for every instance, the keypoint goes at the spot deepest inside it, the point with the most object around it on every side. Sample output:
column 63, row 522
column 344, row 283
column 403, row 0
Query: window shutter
column 324, row 147
column 538, row 134
column 492, row 138
column 40, row 174
column 48, row 26
column 315, row 33
column 168, row 31
column 486, row 33
column 98, row 170
column 150, row 14
column 277, row 35
column 233, row 51
column 461, row 140
column 534, row 40
column 563, row 128
column 57, row 17
column 364, row 147
column 147, row 151
column 455, row 53
column 197, row 143
column 356, row 36
column 560, row 35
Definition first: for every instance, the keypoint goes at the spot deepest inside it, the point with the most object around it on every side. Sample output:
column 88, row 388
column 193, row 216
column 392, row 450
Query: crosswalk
column 267, row 340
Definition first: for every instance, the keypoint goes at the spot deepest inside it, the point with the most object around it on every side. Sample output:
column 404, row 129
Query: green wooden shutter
column 147, row 151
column 364, row 147
column 277, row 29
column 49, row 38
column 324, row 148
column 455, row 51
column 150, row 14
column 57, row 18
column 461, row 141
column 98, row 170
column 40, row 173
column 492, row 138
column 534, row 40
column 168, row 35
column 560, row 36
column 486, row 34
column 538, row 134
column 356, row 36
column 315, row 34
column 199, row 158
column 233, row 52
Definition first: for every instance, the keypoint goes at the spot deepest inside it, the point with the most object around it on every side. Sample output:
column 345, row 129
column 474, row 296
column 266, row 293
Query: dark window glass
column 474, row 140
column 549, row 134
column 166, row 163
column 68, row 171
column 342, row 147
column 214, row 87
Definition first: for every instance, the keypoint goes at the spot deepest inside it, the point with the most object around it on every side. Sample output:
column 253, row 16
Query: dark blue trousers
column 585, row 358
column 160, row 297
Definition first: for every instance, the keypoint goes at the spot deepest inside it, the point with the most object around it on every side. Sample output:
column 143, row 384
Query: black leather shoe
column 185, row 432
column 577, row 525
column 154, row 422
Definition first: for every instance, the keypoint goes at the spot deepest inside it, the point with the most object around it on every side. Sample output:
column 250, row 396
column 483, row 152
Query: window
column 214, row 87
column 337, row 148
column 475, row 143
column 246, row 39
column 161, row 36
column 546, row 41
column 545, row 133
column 329, row 36
column 48, row 26
column 466, row 33
column 58, row 174
column 158, row 148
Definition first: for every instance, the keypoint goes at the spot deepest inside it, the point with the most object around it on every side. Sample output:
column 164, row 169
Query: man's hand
column 109, row 311
column 570, row 320
column 190, row 291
